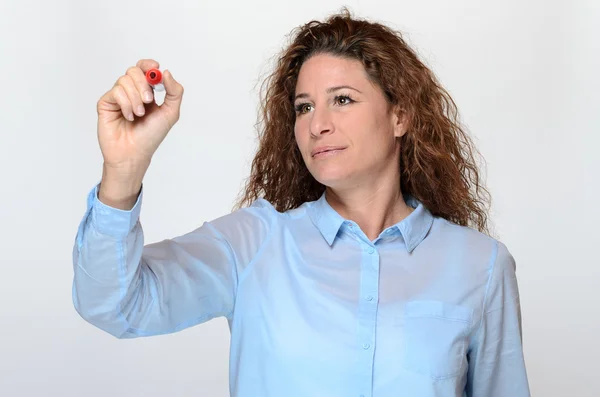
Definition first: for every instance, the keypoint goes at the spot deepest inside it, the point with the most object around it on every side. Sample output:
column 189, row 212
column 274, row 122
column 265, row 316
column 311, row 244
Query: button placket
column 368, row 313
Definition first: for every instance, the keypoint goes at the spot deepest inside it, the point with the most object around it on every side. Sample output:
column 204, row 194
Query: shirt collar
column 413, row 228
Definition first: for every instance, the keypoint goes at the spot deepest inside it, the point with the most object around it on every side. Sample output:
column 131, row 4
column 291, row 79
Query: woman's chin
column 332, row 177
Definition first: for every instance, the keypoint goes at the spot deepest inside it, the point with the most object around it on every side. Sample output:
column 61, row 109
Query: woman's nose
column 320, row 123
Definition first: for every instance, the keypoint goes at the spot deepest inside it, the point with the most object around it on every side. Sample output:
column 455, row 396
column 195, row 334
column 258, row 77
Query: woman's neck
column 373, row 209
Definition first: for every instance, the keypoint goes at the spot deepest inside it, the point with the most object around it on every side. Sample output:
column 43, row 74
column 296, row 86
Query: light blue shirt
column 315, row 308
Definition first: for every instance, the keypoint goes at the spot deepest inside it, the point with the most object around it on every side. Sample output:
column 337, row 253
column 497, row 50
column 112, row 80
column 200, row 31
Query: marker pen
column 154, row 78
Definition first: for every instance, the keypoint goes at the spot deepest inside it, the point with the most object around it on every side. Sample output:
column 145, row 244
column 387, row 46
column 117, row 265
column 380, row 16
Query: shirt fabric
column 429, row 308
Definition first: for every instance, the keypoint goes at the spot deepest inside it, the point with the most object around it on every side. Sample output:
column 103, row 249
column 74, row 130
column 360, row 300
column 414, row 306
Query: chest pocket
column 435, row 338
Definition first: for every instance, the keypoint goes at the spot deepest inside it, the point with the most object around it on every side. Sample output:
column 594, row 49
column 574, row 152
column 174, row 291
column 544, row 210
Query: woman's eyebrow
column 329, row 91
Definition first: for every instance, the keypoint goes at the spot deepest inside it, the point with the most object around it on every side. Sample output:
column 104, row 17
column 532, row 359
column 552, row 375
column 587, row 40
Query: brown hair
column 436, row 160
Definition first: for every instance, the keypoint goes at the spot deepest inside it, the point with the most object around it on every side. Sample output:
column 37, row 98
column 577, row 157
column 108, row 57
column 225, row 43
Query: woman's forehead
column 327, row 71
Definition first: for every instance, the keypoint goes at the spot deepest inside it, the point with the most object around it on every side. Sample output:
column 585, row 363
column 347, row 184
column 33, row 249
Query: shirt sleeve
column 496, row 362
column 130, row 289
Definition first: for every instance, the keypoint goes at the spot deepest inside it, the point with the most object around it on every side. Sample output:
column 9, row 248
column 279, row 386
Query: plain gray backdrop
column 524, row 75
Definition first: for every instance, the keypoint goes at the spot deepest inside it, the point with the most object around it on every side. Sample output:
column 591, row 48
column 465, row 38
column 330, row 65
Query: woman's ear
column 400, row 121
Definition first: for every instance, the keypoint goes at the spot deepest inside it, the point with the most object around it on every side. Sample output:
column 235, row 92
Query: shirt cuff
column 112, row 221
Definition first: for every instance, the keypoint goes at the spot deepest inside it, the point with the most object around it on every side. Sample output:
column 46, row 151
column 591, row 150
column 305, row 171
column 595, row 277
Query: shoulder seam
column 273, row 220
column 491, row 266
column 235, row 264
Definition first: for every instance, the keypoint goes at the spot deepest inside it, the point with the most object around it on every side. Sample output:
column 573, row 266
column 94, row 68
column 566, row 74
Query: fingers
column 132, row 90
column 141, row 84
column 136, row 104
column 124, row 96
column 147, row 64
column 116, row 100
column 174, row 93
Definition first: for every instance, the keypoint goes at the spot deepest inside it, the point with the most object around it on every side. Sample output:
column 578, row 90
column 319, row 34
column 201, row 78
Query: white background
column 523, row 73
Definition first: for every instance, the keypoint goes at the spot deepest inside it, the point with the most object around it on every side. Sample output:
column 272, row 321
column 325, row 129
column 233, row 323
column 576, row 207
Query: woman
column 357, row 261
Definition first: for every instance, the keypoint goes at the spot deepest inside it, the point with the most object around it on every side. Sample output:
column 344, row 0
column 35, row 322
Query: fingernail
column 147, row 96
column 141, row 110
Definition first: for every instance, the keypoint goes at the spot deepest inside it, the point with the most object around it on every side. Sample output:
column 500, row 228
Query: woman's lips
column 327, row 151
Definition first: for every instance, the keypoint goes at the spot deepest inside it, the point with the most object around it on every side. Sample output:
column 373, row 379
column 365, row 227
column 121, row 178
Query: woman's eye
column 340, row 100
column 345, row 98
column 302, row 107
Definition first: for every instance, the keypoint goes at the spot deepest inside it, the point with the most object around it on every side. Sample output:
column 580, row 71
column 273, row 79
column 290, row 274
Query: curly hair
column 437, row 165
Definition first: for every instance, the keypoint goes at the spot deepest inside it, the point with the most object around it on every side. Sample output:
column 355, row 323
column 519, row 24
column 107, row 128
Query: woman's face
column 343, row 128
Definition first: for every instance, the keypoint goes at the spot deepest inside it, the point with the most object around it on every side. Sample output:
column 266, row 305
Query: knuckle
column 123, row 80
column 121, row 94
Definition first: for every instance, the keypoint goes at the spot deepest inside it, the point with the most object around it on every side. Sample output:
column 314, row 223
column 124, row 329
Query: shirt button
column 366, row 346
column 369, row 298
column 371, row 250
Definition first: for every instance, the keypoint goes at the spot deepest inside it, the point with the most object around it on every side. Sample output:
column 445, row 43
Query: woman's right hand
column 131, row 125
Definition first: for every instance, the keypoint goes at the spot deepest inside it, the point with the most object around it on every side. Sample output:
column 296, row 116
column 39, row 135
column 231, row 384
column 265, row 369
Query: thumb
column 173, row 93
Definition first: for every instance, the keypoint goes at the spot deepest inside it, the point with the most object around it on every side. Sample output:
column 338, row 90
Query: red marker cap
column 154, row 76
